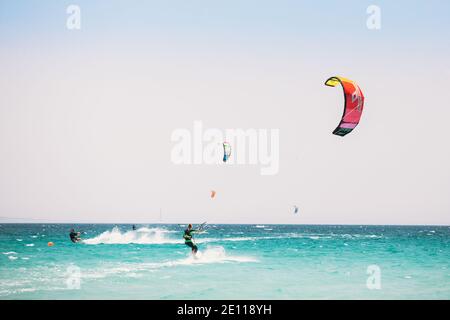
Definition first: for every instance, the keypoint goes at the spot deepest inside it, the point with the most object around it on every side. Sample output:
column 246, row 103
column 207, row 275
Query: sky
column 87, row 115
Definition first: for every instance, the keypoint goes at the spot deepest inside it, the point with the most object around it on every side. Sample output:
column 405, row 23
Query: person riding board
column 188, row 238
column 74, row 236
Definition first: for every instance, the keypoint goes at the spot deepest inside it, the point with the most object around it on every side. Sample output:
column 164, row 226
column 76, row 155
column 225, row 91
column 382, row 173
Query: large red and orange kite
column 353, row 106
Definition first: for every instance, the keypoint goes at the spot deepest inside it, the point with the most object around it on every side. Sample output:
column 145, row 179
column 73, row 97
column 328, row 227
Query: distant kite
column 226, row 151
column 353, row 105
column 213, row 194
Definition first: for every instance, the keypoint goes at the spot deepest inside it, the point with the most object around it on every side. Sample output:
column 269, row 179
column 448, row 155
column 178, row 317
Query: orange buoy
column 50, row 244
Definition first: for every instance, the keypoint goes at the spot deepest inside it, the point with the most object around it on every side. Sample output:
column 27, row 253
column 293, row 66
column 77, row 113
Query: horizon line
column 229, row 223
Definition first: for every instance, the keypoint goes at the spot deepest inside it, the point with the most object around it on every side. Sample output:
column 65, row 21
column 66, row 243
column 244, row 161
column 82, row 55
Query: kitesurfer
column 74, row 236
column 188, row 238
column 134, row 227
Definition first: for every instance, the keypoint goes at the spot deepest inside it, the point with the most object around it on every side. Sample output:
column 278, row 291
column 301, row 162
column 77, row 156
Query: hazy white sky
column 86, row 116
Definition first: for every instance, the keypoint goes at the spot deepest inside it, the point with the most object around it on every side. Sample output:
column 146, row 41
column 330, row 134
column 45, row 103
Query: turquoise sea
column 234, row 262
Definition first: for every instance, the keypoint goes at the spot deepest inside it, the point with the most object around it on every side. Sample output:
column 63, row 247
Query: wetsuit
column 188, row 240
column 75, row 236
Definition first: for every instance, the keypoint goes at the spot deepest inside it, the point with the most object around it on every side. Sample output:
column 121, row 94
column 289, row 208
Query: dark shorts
column 191, row 245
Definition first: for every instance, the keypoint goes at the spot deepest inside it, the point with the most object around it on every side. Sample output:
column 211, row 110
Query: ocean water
column 234, row 262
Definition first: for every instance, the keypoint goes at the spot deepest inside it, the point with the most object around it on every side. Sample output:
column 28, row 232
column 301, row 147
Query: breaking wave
column 139, row 236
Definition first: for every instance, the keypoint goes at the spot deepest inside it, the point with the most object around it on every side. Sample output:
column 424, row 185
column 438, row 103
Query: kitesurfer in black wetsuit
column 74, row 236
column 188, row 238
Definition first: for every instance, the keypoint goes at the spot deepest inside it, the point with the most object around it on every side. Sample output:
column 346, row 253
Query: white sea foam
column 29, row 245
column 212, row 254
column 146, row 229
column 9, row 252
column 159, row 236
column 140, row 236
column 153, row 236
